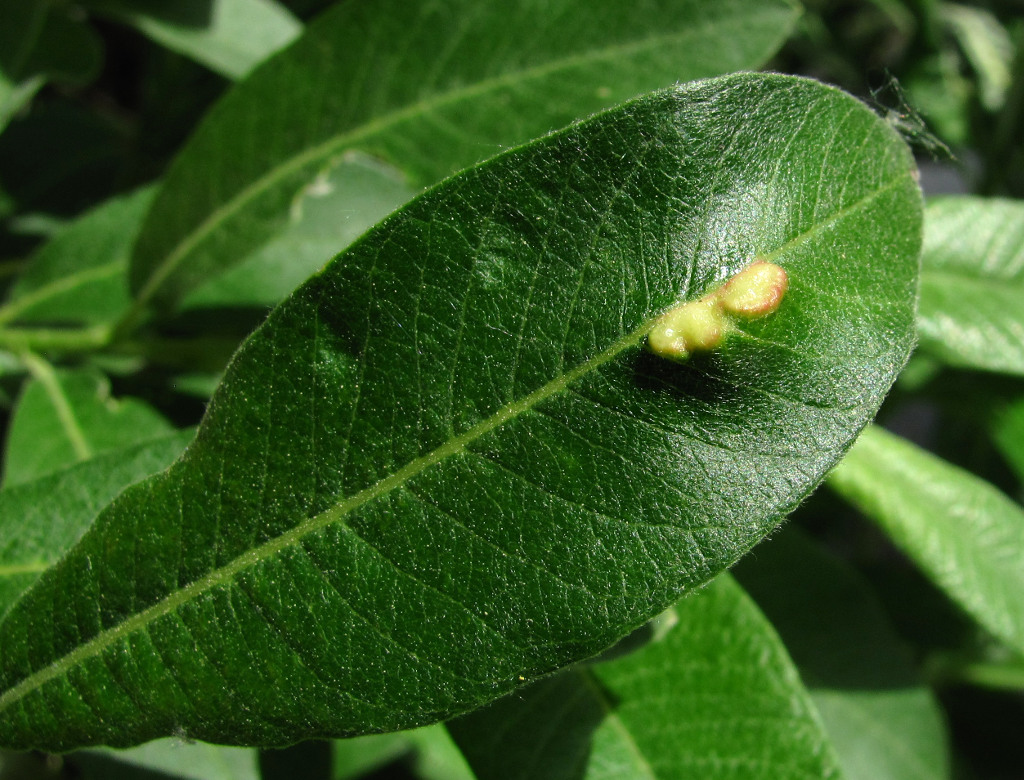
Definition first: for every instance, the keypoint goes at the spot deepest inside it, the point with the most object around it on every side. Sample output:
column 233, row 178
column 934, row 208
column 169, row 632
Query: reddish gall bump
column 755, row 291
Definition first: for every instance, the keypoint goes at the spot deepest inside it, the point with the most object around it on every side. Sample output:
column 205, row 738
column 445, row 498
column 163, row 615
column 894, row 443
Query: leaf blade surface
column 882, row 720
column 41, row 520
column 79, row 275
column 228, row 36
column 449, row 450
column 972, row 283
column 68, row 416
column 963, row 532
column 428, row 88
column 713, row 693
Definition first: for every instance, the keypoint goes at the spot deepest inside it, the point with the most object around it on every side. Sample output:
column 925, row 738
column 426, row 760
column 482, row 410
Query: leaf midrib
column 64, row 284
column 377, row 126
column 336, row 513
column 33, row 567
column 44, row 373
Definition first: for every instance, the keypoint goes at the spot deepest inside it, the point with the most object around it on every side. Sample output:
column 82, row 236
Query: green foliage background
column 256, row 496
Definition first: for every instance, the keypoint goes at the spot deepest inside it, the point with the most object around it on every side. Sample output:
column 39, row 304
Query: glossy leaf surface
column 430, row 88
column 714, row 695
column 972, row 283
column 446, row 464
column 966, row 535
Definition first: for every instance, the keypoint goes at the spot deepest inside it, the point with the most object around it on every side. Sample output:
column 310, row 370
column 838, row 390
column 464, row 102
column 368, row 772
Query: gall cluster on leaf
column 754, row 292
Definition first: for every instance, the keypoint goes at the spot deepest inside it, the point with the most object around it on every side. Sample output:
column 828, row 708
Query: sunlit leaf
column 966, row 535
column 972, row 283
column 446, row 464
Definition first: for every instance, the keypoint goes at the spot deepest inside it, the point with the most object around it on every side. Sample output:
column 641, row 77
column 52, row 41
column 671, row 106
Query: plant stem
column 947, row 668
column 998, row 676
column 22, row 340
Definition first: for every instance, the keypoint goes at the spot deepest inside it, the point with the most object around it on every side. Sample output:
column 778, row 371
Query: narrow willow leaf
column 79, row 275
column 229, row 36
column 715, row 696
column 69, row 416
column 446, row 464
column 972, row 283
column 966, row 535
column 430, row 88
column 41, row 520
column 882, row 720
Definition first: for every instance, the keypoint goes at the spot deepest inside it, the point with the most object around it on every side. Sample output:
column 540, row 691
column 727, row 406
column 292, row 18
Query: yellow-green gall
column 755, row 291
column 691, row 326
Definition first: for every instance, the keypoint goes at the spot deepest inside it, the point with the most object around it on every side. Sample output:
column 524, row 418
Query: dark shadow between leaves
column 311, row 760
column 541, row 732
column 828, row 619
column 197, row 14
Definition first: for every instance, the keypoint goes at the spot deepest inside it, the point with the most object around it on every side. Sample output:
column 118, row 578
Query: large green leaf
column 429, row 87
column 972, row 283
column 964, row 533
column 882, row 720
column 714, row 696
column 446, row 465
column 42, row 519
